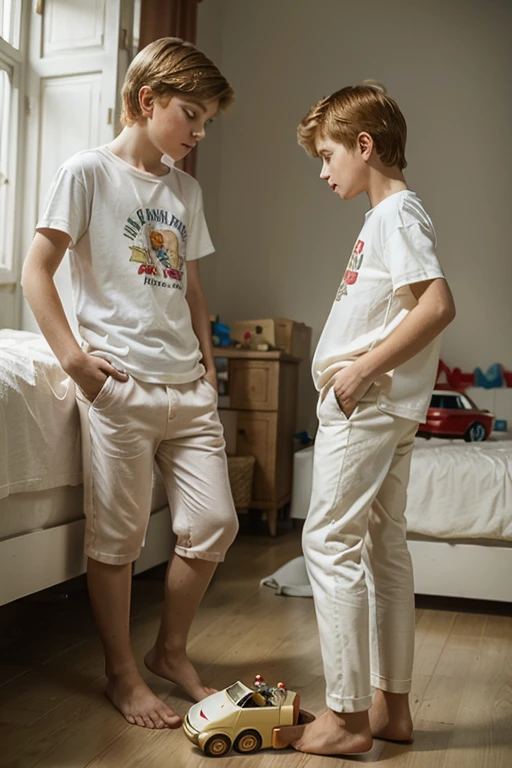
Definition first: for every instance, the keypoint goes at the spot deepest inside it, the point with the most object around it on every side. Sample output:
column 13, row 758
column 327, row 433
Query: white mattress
column 461, row 490
column 36, row 510
column 39, row 425
column 40, row 450
column 457, row 490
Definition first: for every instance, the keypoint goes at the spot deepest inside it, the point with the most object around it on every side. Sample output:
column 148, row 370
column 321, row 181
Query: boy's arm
column 434, row 311
column 45, row 254
column 200, row 319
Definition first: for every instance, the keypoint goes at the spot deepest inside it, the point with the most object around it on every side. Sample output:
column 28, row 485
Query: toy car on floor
column 454, row 414
column 244, row 718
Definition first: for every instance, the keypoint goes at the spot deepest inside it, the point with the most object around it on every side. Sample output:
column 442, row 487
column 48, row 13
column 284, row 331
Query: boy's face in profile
column 178, row 123
column 343, row 169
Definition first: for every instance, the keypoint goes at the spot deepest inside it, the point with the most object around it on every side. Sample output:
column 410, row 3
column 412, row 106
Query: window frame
column 12, row 60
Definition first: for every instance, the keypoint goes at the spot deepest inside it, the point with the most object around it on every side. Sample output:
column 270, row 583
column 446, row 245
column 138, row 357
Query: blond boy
column 145, row 375
column 374, row 368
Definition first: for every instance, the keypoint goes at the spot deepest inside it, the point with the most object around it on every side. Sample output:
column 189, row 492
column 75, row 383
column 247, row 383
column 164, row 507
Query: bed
column 41, row 493
column 459, row 509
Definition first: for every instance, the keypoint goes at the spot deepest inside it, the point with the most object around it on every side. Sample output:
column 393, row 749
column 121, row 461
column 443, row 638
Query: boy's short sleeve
column 67, row 206
column 410, row 254
column 199, row 242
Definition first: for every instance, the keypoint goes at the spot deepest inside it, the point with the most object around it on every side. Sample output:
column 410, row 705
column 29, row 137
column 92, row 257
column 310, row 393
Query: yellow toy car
column 247, row 719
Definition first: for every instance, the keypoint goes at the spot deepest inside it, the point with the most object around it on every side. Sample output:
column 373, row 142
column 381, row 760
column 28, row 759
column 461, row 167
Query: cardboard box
column 293, row 337
column 290, row 336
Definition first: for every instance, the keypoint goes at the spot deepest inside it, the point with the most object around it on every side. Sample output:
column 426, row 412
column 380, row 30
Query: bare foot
column 390, row 716
column 336, row 733
column 132, row 697
column 178, row 669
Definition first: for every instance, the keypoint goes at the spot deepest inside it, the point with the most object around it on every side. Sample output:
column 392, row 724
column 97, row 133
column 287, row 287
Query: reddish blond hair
column 171, row 66
column 343, row 115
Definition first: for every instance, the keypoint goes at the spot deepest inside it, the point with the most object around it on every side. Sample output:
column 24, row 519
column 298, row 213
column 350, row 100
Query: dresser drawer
column 254, row 384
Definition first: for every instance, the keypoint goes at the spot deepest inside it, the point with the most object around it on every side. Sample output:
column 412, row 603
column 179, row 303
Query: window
column 10, row 22
column 10, row 67
column 449, row 401
column 452, row 402
column 467, row 403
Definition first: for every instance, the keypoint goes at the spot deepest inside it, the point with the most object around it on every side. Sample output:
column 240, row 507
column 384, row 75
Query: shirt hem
column 149, row 377
column 400, row 410
column 184, row 378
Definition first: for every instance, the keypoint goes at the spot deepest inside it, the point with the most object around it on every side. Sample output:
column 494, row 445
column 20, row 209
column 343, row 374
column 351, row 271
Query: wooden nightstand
column 263, row 392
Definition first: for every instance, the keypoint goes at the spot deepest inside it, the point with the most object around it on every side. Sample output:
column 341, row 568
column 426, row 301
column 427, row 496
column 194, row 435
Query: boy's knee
column 212, row 536
column 228, row 530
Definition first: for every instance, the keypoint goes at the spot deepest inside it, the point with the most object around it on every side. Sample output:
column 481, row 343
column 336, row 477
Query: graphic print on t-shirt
column 352, row 271
column 159, row 242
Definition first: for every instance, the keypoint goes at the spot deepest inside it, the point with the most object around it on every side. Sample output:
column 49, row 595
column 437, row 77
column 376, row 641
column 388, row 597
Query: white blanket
column 39, row 426
column 461, row 490
column 457, row 490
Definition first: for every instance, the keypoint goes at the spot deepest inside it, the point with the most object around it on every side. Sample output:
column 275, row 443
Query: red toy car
column 454, row 414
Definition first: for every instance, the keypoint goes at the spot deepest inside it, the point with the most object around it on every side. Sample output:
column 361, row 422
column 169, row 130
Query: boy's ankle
column 352, row 721
column 392, row 700
column 118, row 671
column 167, row 650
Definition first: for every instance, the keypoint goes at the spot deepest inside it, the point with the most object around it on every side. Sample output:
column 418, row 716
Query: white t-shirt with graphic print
column 132, row 234
column 395, row 248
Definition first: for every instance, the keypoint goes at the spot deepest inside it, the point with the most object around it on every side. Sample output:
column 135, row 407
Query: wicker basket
column 240, row 470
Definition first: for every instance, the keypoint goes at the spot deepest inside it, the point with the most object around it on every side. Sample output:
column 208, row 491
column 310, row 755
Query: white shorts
column 129, row 426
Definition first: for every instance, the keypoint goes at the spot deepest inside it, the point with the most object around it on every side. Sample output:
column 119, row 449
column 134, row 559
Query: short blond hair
column 343, row 115
column 171, row 67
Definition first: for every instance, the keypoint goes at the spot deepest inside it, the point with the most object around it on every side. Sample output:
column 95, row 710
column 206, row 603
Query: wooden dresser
column 262, row 389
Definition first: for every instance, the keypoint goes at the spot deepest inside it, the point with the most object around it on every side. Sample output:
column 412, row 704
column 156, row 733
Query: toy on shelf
column 454, row 414
column 245, row 719
column 494, row 378
column 246, row 341
column 254, row 341
column 220, row 334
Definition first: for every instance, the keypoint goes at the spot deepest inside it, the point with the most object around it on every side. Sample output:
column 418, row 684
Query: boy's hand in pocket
column 349, row 387
column 90, row 373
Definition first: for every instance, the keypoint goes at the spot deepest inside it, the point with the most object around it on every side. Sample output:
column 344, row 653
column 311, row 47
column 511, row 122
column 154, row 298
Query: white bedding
column 461, row 490
column 39, row 426
column 40, row 449
column 25, row 512
column 457, row 490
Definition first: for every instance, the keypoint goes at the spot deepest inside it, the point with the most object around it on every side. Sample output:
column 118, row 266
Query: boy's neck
column 132, row 146
column 383, row 182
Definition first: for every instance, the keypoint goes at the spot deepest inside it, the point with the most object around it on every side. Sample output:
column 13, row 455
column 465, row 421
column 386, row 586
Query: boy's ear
column 365, row 145
column 146, row 101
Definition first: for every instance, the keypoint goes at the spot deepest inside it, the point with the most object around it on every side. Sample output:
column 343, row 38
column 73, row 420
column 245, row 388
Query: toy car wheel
column 475, row 433
column 217, row 745
column 248, row 741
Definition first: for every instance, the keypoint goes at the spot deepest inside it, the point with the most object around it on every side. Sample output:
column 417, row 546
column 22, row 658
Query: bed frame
column 480, row 570
column 40, row 559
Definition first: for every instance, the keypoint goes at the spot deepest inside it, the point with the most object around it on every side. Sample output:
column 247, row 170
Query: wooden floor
column 53, row 713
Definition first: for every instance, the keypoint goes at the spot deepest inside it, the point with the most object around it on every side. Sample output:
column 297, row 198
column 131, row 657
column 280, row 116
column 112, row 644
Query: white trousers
column 356, row 552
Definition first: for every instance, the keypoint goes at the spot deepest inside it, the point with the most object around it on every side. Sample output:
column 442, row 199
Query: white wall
column 282, row 238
